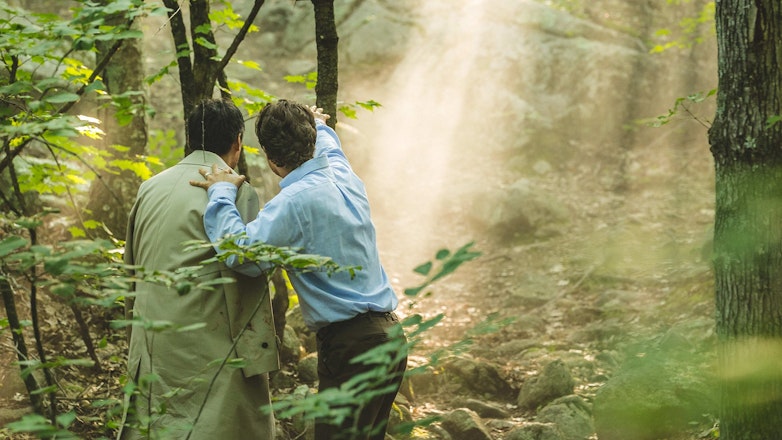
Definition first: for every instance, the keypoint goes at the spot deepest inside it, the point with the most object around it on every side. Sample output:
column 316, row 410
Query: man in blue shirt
column 322, row 209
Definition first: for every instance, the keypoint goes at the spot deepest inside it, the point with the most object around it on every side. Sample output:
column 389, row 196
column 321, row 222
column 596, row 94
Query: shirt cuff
column 222, row 189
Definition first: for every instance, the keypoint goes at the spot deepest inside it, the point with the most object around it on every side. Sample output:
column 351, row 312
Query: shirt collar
column 203, row 157
column 314, row 164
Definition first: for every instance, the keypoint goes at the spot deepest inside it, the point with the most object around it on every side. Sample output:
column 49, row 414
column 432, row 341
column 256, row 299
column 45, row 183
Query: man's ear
column 237, row 145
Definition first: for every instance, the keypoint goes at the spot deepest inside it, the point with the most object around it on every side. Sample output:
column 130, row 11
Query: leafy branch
column 340, row 403
column 683, row 104
column 267, row 257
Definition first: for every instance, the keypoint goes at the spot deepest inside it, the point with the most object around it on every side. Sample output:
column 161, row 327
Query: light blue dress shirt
column 322, row 208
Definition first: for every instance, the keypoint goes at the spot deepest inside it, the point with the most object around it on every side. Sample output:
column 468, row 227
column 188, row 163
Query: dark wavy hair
column 214, row 125
column 286, row 132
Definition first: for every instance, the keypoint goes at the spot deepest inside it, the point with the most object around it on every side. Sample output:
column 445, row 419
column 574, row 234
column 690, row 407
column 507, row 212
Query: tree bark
column 199, row 75
column 19, row 344
column 112, row 195
column 747, row 150
column 326, row 40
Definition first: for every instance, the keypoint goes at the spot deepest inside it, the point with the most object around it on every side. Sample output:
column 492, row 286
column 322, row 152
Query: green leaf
column 16, row 88
column 61, row 98
column 442, row 254
column 55, row 266
column 64, row 290
column 250, row 64
column 413, row 291
column 10, row 244
column 424, row 269
column 191, row 327
column 95, row 86
column 368, row 105
column 348, row 112
column 201, row 41
column 203, row 29
column 236, row 363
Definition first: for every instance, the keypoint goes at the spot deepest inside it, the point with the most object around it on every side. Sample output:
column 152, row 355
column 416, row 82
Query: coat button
column 265, row 345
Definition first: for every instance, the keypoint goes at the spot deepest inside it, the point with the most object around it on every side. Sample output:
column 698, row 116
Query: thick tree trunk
column 328, row 62
column 747, row 151
column 199, row 75
column 112, row 195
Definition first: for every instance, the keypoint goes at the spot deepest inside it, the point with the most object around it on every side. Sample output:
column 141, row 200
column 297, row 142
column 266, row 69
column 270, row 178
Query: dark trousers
column 340, row 342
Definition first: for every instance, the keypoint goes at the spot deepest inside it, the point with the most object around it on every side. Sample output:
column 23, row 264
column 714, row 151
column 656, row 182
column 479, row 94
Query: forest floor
column 630, row 264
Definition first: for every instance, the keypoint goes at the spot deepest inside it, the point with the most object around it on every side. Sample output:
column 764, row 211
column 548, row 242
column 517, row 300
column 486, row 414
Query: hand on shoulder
column 217, row 174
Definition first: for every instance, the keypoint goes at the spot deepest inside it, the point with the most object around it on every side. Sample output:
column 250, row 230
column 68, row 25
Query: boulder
column 571, row 415
column 476, row 376
column 465, row 424
column 554, row 381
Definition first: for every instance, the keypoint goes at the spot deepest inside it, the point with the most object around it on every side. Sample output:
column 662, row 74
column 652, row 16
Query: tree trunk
column 747, row 149
column 112, row 195
column 199, row 75
column 328, row 61
column 7, row 294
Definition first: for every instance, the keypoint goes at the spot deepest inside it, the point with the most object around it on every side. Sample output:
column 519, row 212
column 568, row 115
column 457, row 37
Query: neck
column 282, row 172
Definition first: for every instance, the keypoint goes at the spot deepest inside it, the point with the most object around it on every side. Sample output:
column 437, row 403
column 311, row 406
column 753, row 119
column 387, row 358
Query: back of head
column 286, row 132
column 214, row 126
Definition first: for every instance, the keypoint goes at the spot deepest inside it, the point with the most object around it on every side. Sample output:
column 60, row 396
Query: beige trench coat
column 169, row 211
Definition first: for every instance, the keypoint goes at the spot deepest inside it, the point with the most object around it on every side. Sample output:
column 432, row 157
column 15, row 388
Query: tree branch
column 182, row 47
column 240, row 36
column 16, row 333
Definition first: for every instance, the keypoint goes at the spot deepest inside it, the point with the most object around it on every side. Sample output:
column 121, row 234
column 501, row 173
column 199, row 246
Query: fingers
column 200, row 184
column 217, row 174
column 318, row 113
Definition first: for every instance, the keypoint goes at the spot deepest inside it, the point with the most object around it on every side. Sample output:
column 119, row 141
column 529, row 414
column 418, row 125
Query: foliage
column 688, row 31
column 683, row 104
column 338, row 404
column 269, row 257
column 47, row 151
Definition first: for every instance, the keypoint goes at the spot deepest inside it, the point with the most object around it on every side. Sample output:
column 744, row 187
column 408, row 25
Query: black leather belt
column 335, row 326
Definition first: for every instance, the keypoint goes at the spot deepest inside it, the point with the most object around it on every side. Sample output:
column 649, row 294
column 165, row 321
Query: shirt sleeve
column 327, row 143
column 275, row 225
column 222, row 218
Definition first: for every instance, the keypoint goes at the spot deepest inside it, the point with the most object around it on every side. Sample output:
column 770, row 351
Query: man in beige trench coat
column 181, row 364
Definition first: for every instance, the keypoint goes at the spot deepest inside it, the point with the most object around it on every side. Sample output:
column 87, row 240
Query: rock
column 571, row 415
column 290, row 350
column 300, row 423
column 282, row 379
column 308, row 368
column 554, row 381
column 477, row 376
column 465, row 424
column 306, row 336
column 520, row 209
column 483, row 409
column 536, row 431
column 432, row 432
column 421, row 378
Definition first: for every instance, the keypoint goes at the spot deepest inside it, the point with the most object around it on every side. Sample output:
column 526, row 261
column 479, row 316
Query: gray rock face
column 571, row 415
column 477, row 376
column 483, row 409
column 554, row 381
column 465, row 424
column 535, row 431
